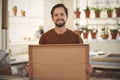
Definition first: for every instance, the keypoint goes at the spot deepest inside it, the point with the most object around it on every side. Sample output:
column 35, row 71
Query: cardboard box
column 59, row 62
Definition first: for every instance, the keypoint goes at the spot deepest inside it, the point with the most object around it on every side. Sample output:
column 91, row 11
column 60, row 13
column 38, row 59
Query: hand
column 28, row 69
column 89, row 69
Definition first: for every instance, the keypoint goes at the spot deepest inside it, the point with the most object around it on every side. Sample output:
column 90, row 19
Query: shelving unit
column 93, row 22
column 22, row 29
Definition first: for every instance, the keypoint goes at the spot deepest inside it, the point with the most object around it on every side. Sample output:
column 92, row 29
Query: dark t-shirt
column 68, row 37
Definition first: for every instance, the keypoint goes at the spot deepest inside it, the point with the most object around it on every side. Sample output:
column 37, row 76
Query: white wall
column 107, row 46
column 70, row 5
column 0, row 24
column 48, row 23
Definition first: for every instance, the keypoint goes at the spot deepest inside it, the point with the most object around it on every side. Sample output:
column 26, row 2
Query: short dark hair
column 59, row 5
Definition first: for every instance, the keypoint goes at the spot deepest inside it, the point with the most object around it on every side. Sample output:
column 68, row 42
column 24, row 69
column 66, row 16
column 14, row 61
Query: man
column 60, row 34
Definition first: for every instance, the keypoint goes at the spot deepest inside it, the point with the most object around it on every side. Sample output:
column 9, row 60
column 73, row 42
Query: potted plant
column 78, row 29
column 109, row 12
column 87, row 12
column 113, row 33
column 14, row 10
column 77, row 13
column 97, row 12
column 85, row 32
column 104, row 33
column 93, row 32
column 22, row 12
column 119, row 30
column 117, row 11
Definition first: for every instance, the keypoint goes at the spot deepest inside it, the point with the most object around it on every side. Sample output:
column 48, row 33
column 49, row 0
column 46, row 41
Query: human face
column 59, row 17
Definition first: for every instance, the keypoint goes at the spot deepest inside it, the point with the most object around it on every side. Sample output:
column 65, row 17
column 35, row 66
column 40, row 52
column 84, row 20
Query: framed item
column 59, row 61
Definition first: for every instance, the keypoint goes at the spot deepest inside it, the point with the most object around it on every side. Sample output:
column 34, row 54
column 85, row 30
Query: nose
column 59, row 16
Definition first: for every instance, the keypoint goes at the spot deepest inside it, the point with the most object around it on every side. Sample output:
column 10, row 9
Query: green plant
column 97, row 9
column 87, row 8
column 117, row 8
column 93, row 30
column 113, row 30
column 77, row 9
column 109, row 10
column 104, row 33
column 77, row 13
column 117, row 11
column 85, row 29
column 104, row 30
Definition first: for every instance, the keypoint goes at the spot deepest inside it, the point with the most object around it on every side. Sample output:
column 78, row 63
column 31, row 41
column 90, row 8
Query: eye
column 55, row 15
column 62, row 14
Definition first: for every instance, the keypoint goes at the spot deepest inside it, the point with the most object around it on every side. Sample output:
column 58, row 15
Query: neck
column 60, row 30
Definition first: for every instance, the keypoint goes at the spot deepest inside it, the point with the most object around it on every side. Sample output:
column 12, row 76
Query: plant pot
column 22, row 13
column 104, row 36
column 97, row 14
column 109, row 15
column 113, row 35
column 87, row 14
column 93, row 35
column 117, row 11
column 14, row 10
column 85, row 35
column 77, row 14
column 119, row 33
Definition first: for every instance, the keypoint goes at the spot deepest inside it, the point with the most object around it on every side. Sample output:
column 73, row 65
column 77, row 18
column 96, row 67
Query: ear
column 66, row 17
column 52, row 18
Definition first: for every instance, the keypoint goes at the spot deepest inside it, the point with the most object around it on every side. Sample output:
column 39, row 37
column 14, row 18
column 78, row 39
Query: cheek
column 53, row 19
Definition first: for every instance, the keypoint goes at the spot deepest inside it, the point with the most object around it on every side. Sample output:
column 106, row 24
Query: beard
column 60, row 24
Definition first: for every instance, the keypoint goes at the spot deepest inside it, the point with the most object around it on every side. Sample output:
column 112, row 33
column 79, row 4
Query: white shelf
column 24, row 20
column 96, row 40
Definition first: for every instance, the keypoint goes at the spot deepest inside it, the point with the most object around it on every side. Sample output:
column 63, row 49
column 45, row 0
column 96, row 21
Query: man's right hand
column 28, row 69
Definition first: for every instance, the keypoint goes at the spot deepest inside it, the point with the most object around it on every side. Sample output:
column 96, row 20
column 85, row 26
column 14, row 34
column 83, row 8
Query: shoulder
column 48, row 32
column 72, row 32
column 75, row 36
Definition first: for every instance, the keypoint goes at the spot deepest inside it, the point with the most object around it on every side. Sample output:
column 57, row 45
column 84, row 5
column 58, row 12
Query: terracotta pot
column 119, row 33
column 22, row 13
column 109, row 15
column 97, row 14
column 85, row 35
column 93, row 35
column 117, row 12
column 87, row 14
column 14, row 10
column 113, row 35
column 77, row 13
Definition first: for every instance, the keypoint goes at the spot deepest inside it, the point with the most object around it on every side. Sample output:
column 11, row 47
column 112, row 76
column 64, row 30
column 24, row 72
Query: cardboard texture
column 59, row 62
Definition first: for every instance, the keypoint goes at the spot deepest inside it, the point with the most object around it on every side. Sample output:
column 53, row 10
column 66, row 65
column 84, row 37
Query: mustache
column 60, row 20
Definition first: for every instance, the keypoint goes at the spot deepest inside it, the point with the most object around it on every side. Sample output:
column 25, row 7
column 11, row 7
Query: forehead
column 59, row 10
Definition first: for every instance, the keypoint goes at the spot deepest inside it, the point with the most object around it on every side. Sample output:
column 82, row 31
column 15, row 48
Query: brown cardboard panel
column 59, row 62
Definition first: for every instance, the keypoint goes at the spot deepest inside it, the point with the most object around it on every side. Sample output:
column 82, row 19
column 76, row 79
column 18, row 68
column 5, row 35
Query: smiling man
column 60, row 34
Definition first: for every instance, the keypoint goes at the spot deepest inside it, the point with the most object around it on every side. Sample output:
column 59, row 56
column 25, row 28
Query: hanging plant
column 109, row 12
column 117, row 11
column 87, row 12
column 113, row 32
column 14, row 10
column 93, row 32
column 104, row 33
column 97, row 12
column 77, row 13
column 85, row 32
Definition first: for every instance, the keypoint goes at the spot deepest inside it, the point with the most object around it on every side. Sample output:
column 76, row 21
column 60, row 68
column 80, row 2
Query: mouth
column 60, row 20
